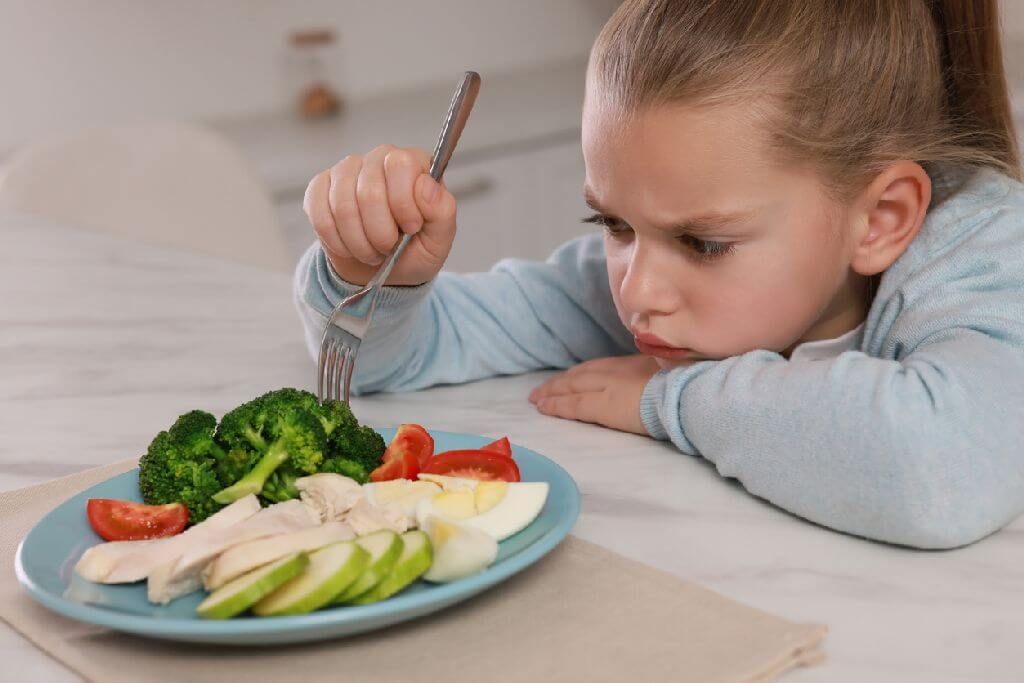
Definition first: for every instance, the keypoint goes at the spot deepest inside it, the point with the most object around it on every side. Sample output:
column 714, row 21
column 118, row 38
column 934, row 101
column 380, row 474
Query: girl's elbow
column 939, row 533
column 942, row 515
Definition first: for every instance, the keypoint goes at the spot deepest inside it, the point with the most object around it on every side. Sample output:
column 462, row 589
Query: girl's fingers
column 437, row 205
column 581, row 407
column 401, row 169
column 345, row 208
column 379, row 226
column 570, row 382
column 316, row 204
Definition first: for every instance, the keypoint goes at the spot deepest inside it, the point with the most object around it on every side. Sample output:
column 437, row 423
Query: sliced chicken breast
column 131, row 561
column 329, row 495
column 365, row 518
column 245, row 557
column 181, row 575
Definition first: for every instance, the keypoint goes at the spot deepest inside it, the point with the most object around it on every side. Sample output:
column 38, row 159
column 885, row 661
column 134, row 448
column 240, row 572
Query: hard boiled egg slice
column 401, row 494
column 500, row 509
column 450, row 483
column 458, row 550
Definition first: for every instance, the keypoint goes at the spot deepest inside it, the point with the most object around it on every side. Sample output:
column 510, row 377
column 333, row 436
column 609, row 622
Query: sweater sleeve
column 518, row 317
column 924, row 452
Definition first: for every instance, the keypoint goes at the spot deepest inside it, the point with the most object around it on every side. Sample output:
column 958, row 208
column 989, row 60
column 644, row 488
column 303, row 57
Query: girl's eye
column 706, row 250
column 615, row 227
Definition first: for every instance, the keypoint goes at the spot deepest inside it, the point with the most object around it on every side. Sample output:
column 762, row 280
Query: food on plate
column 125, row 520
column 499, row 508
column 448, row 483
column 384, row 547
column 410, row 565
column 260, row 447
column 244, row 591
column 334, row 497
column 459, row 551
column 182, row 466
column 411, row 438
column 404, row 466
column 402, row 494
column 330, row 571
column 411, row 453
column 501, row 446
column 330, row 496
column 284, row 435
column 366, row 518
column 182, row 574
column 288, row 523
column 473, row 464
column 131, row 561
column 411, row 446
column 244, row 557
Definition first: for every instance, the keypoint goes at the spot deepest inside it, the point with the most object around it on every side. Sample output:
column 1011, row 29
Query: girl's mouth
column 652, row 345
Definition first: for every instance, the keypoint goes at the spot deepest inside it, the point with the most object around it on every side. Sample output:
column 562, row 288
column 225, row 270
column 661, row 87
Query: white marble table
column 104, row 342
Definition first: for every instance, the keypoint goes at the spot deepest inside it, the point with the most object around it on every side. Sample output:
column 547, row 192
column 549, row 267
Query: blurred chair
column 167, row 183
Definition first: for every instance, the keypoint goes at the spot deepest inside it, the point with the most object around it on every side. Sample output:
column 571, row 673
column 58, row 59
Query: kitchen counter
column 106, row 341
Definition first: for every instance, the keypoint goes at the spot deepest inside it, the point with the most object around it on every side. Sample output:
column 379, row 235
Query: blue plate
column 46, row 559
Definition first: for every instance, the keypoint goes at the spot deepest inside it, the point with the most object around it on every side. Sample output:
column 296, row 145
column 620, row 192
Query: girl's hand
column 605, row 391
column 360, row 206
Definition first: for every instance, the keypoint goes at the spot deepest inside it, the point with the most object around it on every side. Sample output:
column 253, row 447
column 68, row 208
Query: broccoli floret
column 194, row 432
column 293, row 435
column 332, row 414
column 280, row 486
column 235, row 464
column 242, row 429
column 360, row 444
column 180, row 466
column 346, row 468
column 336, row 415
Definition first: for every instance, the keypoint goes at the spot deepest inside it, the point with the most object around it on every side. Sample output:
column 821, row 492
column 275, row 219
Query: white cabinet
column 521, row 205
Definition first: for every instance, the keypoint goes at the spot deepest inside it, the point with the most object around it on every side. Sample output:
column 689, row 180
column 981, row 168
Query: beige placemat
column 583, row 613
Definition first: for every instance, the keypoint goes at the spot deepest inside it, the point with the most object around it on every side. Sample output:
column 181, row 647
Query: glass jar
column 310, row 52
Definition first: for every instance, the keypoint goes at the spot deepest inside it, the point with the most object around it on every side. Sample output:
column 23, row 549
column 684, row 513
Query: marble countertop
column 105, row 341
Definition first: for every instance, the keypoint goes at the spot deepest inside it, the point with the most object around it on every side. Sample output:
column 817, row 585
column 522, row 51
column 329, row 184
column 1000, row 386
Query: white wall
column 1013, row 17
column 71, row 63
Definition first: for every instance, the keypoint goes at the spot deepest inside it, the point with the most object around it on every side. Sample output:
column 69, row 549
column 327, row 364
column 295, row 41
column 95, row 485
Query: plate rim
column 440, row 596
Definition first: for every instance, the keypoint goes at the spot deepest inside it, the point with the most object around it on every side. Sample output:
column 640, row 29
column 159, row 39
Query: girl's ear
column 893, row 208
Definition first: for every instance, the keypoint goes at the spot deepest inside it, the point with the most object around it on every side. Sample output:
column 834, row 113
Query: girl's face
column 713, row 248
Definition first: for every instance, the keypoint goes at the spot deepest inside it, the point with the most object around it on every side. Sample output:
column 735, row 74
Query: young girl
column 813, row 235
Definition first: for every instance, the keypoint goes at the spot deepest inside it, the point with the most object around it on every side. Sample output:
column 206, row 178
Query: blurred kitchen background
column 198, row 123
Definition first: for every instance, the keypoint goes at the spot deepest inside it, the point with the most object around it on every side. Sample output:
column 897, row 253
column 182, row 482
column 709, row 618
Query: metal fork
column 350, row 320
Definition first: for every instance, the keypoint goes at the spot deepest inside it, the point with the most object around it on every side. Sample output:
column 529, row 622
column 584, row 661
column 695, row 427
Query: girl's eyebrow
column 707, row 223
column 700, row 224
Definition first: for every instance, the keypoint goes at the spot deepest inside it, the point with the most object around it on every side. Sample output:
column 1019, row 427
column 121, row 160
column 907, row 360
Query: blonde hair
column 850, row 85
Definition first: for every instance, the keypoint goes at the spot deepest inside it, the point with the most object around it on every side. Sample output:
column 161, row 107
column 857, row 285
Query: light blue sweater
column 914, row 438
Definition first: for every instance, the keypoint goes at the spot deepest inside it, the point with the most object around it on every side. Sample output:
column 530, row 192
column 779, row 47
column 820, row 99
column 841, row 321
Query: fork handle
column 454, row 122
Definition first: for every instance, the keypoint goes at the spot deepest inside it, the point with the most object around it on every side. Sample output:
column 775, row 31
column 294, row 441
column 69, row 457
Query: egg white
column 522, row 503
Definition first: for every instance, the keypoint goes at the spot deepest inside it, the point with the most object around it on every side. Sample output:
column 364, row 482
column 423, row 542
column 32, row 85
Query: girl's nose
column 649, row 285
